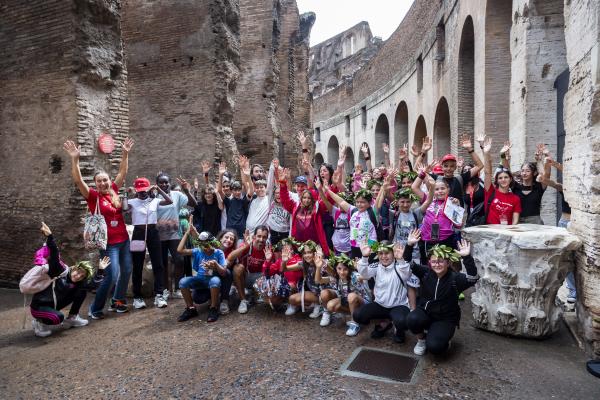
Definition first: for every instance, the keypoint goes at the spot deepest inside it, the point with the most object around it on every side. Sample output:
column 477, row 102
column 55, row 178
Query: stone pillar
column 521, row 269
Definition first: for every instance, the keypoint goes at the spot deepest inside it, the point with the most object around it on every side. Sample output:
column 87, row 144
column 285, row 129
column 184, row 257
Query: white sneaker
column 291, row 310
column 224, row 308
column 139, row 303
column 177, row 295
column 316, row 312
column 39, row 329
column 326, row 318
column 353, row 329
column 420, row 347
column 159, row 301
column 166, row 294
column 75, row 321
column 243, row 307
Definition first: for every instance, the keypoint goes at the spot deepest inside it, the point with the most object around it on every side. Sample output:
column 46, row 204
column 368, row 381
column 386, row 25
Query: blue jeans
column 200, row 282
column 118, row 272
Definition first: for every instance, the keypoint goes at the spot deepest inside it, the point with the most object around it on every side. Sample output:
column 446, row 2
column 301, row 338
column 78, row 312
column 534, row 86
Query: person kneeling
column 347, row 292
column 209, row 263
column 395, row 288
column 68, row 287
column 438, row 311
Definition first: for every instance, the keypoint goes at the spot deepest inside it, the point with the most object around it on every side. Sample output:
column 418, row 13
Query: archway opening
column 400, row 126
column 382, row 135
column 318, row 160
column 349, row 163
column 441, row 129
column 466, row 80
column 420, row 132
column 333, row 151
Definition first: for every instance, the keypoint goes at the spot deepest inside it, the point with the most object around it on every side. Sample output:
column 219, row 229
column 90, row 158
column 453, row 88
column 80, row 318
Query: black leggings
column 439, row 333
column 138, row 257
column 370, row 311
column 52, row 316
column 170, row 246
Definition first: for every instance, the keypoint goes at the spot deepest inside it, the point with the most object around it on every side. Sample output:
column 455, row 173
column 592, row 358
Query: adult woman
column 105, row 195
column 501, row 205
column 144, row 215
column 167, row 225
column 530, row 191
column 207, row 207
column 437, row 310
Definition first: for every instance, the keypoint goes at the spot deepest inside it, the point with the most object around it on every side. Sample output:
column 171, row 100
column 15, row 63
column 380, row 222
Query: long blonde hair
column 114, row 197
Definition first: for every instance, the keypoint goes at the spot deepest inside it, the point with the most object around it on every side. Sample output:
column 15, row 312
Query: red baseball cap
column 448, row 157
column 141, row 185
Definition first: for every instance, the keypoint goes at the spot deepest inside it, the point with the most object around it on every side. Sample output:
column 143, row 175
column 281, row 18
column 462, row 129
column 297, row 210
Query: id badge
column 435, row 231
column 114, row 224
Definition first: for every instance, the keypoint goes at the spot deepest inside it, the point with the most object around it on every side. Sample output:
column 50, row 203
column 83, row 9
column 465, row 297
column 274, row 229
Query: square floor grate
column 381, row 365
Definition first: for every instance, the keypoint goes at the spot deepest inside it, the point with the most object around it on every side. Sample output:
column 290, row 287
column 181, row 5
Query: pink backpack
column 37, row 279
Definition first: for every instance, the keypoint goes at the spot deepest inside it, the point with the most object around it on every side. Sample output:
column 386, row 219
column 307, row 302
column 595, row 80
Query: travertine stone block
column 521, row 268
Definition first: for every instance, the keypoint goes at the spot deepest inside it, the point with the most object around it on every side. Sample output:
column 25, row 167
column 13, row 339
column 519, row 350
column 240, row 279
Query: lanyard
column 437, row 209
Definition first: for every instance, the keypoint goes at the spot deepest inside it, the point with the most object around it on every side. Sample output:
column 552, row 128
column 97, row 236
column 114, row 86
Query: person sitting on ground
column 348, row 291
column 247, row 262
column 209, row 264
column 395, row 290
column 67, row 288
column 438, row 311
column 273, row 285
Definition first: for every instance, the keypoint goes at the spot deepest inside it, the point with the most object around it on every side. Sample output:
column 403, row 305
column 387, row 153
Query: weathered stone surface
column 521, row 269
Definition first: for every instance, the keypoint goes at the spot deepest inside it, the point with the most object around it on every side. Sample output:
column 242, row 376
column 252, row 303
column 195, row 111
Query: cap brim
column 142, row 189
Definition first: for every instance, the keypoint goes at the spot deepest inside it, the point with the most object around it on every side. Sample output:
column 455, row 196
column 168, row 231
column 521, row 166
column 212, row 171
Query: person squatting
column 372, row 245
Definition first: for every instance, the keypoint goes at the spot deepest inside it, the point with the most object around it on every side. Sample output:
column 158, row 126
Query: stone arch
column 466, row 79
column 382, row 135
column 318, row 160
column 420, row 131
column 333, row 150
column 349, row 163
column 441, row 129
column 401, row 126
column 498, row 22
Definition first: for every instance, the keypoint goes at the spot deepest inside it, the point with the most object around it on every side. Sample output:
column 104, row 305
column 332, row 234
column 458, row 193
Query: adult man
column 247, row 263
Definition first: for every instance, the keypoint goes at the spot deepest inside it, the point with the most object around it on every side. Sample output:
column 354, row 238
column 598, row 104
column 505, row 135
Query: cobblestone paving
column 147, row 354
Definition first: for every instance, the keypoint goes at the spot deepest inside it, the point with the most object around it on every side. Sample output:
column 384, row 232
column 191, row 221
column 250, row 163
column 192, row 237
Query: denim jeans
column 200, row 282
column 118, row 272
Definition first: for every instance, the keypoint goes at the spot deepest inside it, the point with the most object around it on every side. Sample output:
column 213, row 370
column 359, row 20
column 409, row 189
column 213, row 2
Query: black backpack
column 480, row 212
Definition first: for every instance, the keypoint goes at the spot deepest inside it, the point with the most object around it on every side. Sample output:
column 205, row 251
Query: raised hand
column 365, row 249
column 104, row 262
column 286, row 253
column 205, row 165
column 244, row 164
column 414, row 150
column 247, row 237
column 45, row 229
column 398, row 250
column 184, row 184
column 342, row 153
column 465, row 142
column 222, row 168
column 480, row 138
column 127, row 144
column 73, row 150
column 487, row 144
column 386, row 148
column 268, row 252
column 427, row 144
column 302, row 139
column 196, row 184
column 506, row 147
column 319, row 257
column 403, row 151
column 433, row 163
column 275, row 163
column 287, row 174
column 365, row 149
column 413, row 237
column 464, row 248
column 460, row 162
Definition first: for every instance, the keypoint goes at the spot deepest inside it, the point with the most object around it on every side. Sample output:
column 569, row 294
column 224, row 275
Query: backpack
column 374, row 221
column 37, row 279
column 480, row 212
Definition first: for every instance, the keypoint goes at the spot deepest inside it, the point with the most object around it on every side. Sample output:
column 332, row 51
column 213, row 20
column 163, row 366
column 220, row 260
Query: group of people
column 373, row 244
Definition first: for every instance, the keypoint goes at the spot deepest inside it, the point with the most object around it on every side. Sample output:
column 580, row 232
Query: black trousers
column 226, row 283
column 138, row 258
column 49, row 315
column 171, row 277
column 439, row 333
column 373, row 310
column 276, row 237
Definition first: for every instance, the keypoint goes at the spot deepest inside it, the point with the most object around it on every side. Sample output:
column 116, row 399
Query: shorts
column 200, row 282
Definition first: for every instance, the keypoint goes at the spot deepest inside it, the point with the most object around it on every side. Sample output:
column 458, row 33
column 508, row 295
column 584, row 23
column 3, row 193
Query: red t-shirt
column 253, row 261
column 275, row 268
column 116, row 231
column 503, row 206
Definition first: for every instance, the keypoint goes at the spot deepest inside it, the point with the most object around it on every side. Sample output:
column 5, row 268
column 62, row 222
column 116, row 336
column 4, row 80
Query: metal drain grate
column 381, row 365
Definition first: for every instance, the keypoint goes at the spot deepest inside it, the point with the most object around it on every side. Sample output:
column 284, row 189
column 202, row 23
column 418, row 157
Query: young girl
column 438, row 310
column 348, row 290
column 228, row 239
column 501, row 205
column 68, row 288
column 279, row 218
column 144, row 211
column 273, row 286
column 106, row 197
column 394, row 291
column 308, row 288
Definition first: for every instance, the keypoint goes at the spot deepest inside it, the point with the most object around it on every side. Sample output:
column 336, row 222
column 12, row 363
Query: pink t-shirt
column 435, row 213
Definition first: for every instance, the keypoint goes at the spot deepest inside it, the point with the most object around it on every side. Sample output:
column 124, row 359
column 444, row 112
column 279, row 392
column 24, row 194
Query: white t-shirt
column 144, row 210
column 258, row 213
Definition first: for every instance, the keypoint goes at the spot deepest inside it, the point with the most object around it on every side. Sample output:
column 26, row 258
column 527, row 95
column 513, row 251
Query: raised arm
column 386, row 155
column 487, row 159
column 505, row 154
column 244, row 163
column 467, row 144
column 222, row 171
column 319, row 278
column 185, row 188
column 340, row 171
column 74, row 152
column 384, row 189
column 271, row 178
column 365, row 151
column 308, row 169
column 166, row 198
column 341, row 203
column 205, row 168
column 286, row 200
column 323, row 196
column 124, row 165
column 181, row 249
column 430, row 183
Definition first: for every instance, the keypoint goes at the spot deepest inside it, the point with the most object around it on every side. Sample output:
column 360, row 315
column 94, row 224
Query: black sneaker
column 213, row 314
column 398, row 338
column 187, row 314
column 118, row 306
column 379, row 332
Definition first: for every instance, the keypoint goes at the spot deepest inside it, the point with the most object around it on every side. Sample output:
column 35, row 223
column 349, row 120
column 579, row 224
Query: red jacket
column 317, row 216
column 273, row 268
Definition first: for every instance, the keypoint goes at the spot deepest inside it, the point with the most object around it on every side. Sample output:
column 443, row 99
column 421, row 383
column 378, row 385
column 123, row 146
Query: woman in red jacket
column 307, row 215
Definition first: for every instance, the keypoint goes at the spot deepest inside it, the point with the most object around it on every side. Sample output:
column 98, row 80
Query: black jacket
column 64, row 288
column 439, row 296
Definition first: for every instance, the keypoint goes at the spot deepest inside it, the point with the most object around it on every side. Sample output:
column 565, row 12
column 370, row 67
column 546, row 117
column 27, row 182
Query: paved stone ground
column 147, row 354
